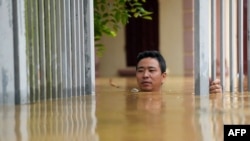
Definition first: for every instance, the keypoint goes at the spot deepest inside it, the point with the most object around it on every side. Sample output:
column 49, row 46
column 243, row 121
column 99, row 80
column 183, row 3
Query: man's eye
column 139, row 70
column 151, row 70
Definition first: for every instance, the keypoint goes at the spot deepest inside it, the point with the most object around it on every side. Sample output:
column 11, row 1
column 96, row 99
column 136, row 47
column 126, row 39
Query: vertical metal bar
column 64, row 49
column 16, row 49
column 231, row 44
column 47, row 23
column 36, row 52
column 59, row 48
column 20, row 57
column 222, row 38
column 240, row 44
column 78, row 57
column 53, row 48
column 248, row 44
column 73, row 46
column 68, row 45
column 30, row 47
column 201, row 47
column 213, row 38
column 42, row 49
column 82, row 47
column 89, row 47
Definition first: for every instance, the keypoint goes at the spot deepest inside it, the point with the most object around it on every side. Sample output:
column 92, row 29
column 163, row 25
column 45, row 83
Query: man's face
column 149, row 76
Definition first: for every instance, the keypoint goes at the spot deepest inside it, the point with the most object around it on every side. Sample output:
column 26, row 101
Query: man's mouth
column 145, row 83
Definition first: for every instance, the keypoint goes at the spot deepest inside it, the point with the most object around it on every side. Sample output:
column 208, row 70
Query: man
column 151, row 73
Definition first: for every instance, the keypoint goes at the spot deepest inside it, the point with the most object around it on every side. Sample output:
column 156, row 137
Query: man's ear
column 164, row 76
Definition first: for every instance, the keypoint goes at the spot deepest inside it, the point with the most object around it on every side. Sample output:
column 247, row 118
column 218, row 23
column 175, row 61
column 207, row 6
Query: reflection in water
column 72, row 119
column 205, row 119
column 150, row 102
column 144, row 117
column 217, row 110
column 13, row 121
column 64, row 119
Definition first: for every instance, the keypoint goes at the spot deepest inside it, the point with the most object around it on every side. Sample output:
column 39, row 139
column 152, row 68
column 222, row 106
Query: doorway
column 142, row 34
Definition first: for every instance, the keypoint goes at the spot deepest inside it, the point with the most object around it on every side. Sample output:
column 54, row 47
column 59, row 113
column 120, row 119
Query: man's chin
column 146, row 90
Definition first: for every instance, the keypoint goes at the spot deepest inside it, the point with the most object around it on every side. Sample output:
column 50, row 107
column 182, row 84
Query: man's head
column 150, row 71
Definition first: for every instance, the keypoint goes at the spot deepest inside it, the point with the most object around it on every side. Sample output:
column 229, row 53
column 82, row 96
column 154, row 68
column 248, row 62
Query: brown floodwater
column 117, row 114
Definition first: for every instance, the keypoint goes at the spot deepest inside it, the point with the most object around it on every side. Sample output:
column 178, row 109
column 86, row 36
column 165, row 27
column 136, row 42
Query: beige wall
column 114, row 55
column 171, row 35
column 171, row 42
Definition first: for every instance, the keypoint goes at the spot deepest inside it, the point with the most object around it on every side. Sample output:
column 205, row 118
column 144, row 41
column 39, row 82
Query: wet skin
column 149, row 76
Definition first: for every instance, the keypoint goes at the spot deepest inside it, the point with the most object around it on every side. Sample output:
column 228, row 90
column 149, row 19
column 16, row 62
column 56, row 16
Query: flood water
column 117, row 114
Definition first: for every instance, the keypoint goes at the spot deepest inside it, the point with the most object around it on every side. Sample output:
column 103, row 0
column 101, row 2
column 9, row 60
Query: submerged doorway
column 142, row 34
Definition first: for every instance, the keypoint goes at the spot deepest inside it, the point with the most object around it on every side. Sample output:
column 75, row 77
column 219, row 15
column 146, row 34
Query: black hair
column 152, row 54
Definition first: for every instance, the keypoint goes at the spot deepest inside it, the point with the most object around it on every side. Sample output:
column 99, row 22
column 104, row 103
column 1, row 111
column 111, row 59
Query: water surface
column 116, row 114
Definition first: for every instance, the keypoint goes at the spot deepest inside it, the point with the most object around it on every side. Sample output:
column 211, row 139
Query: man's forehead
column 145, row 66
column 148, row 62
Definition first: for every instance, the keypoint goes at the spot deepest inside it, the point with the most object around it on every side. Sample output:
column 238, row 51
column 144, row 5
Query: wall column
column 188, row 37
column 14, row 87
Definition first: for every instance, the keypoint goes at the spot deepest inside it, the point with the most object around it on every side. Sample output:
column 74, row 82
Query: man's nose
column 145, row 74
